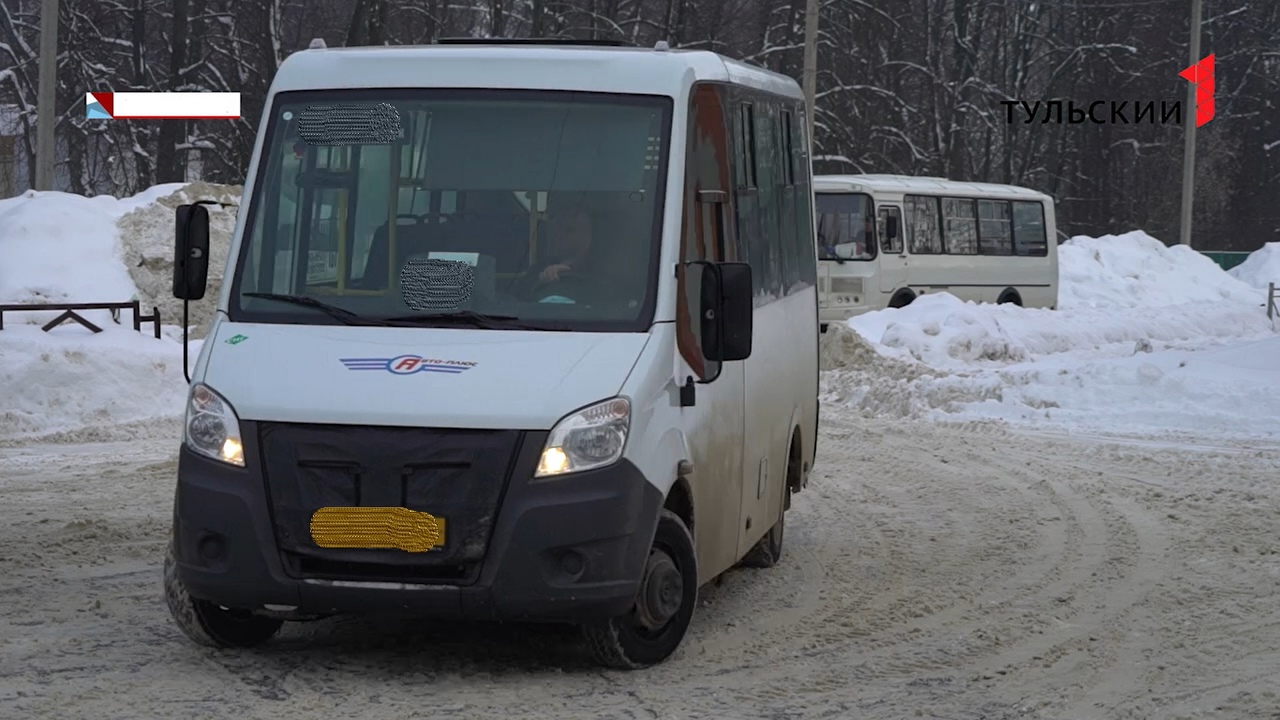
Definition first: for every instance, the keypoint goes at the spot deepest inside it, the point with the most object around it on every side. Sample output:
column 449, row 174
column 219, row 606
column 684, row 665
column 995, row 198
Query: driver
column 569, row 242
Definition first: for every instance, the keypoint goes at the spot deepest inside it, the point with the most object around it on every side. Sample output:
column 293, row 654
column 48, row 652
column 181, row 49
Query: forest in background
column 904, row 86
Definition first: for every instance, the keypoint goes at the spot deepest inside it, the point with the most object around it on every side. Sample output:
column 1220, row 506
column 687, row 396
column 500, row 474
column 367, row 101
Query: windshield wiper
column 340, row 314
column 474, row 319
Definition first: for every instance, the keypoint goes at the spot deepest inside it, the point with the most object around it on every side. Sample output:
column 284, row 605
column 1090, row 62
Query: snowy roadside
column 70, row 385
column 1150, row 341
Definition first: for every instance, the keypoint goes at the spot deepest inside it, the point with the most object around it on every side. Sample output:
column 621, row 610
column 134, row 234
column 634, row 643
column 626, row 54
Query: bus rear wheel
column 1010, row 297
column 902, row 299
column 654, row 627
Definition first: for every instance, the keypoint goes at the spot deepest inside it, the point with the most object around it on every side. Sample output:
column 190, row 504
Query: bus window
column 960, row 226
column 845, row 227
column 995, row 232
column 1029, row 237
column 924, row 225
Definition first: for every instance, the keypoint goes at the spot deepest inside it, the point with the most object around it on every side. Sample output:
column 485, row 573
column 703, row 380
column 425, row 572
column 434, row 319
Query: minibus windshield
column 845, row 227
column 537, row 209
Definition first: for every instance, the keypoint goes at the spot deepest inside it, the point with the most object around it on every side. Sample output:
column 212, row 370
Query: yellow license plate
column 377, row 528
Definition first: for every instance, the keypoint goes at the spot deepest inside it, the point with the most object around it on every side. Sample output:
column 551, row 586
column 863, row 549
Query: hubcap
column 661, row 592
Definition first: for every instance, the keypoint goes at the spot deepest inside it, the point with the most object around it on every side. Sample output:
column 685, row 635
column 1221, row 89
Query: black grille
column 458, row 475
column 310, row 567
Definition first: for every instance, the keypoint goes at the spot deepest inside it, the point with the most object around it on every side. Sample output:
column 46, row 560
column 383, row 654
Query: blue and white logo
column 409, row 365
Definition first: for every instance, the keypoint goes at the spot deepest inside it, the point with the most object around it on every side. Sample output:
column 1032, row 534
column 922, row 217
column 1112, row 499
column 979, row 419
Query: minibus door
column 824, row 283
column 893, row 249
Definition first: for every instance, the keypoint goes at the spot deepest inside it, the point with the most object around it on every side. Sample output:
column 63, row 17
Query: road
column 930, row 571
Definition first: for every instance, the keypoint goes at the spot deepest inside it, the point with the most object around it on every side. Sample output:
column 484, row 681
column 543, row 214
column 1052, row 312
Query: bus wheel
column 1010, row 297
column 652, row 630
column 902, row 299
column 208, row 624
column 768, row 551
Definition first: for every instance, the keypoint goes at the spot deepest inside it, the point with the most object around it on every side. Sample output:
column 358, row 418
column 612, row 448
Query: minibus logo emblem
column 409, row 365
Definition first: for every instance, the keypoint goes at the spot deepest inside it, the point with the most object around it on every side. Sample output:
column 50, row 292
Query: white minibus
column 507, row 331
column 884, row 240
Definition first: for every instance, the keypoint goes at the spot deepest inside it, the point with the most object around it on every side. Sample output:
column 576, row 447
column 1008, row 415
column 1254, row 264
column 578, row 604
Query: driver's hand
column 552, row 272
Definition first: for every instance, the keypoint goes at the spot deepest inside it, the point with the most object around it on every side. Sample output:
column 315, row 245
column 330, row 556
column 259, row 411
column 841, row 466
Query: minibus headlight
column 211, row 427
column 589, row 438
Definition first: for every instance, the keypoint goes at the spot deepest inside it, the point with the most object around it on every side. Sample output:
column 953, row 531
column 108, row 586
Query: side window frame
column 894, row 245
column 1043, row 240
column 910, row 203
column 949, row 221
column 985, row 248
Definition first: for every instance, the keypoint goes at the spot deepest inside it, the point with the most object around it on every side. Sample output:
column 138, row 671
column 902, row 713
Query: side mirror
column 891, row 227
column 737, row 310
column 191, row 252
column 727, row 311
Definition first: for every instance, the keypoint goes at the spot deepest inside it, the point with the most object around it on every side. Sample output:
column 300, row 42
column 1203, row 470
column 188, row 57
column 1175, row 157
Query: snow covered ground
column 1147, row 340
column 1015, row 513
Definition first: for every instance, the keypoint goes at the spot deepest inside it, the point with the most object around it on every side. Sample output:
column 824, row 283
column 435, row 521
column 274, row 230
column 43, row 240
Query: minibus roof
column 587, row 68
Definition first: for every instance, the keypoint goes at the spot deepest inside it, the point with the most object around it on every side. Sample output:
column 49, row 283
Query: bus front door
column 893, row 250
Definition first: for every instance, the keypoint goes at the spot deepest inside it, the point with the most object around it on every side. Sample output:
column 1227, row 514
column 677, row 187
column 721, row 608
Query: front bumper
column 564, row 549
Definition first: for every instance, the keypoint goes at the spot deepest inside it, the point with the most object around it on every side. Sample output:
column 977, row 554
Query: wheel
column 212, row 625
column 768, row 550
column 652, row 630
column 902, row 300
column 1010, row 298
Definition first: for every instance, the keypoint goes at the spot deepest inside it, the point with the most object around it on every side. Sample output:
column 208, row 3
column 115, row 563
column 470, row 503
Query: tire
column 1010, row 297
column 211, row 625
column 767, row 551
column 626, row 642
column 902, row 300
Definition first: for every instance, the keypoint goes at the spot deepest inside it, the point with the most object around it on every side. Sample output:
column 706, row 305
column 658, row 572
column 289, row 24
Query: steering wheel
column 569, row 279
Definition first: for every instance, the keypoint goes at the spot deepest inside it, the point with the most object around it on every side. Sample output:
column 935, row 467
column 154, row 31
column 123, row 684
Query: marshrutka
column 507, row 331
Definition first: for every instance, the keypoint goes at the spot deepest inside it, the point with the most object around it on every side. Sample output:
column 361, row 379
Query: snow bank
column 56, row 247
column 122, row 248
column 71, row 384
column 945, row 332
column 1261, row 267
column 146, row 235
column 1136, row 270
column 1148, row 339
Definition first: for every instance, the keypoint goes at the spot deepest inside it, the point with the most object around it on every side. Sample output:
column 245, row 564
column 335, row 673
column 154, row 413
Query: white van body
column 981, row 242
column 295, row 410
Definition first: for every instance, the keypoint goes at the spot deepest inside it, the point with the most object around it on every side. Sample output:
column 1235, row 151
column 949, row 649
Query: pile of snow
column 1148, row 339
column 943, row 332
column 71, row 384
column 146, row 235
column 1260, row 268
column 1135, row 270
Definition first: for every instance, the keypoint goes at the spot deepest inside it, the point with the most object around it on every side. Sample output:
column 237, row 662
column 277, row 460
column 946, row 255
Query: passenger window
column 789, row 199
column 802, row 237
column 769, row 182
column 995, row 231
column 750, row 235
column 961, row 225
column 891, row 245
column 1029, row 236
column 924, row 229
